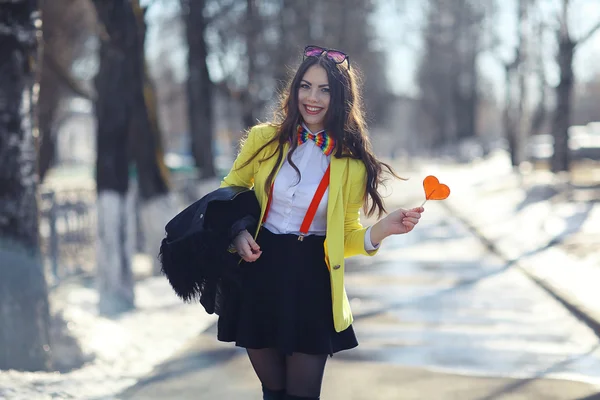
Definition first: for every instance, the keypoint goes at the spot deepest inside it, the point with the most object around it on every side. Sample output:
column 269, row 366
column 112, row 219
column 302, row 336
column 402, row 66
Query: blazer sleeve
column 243, row 176
column 354, row 232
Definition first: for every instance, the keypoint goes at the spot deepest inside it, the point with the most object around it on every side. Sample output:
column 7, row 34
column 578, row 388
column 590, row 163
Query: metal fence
column 67, row 231
column 68, row 223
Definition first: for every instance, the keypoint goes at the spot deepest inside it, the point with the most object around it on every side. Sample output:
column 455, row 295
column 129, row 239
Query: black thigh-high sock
column 269, row 394
column 292, row 397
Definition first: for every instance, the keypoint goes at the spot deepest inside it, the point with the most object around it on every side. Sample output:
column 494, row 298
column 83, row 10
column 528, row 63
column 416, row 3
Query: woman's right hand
column 246, row 247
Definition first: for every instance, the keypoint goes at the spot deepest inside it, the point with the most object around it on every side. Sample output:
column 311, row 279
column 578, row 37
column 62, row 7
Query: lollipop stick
column 427, row 197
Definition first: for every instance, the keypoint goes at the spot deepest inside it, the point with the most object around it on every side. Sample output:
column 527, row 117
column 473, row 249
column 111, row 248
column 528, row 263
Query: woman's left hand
column 395, row 223
column 402, row 221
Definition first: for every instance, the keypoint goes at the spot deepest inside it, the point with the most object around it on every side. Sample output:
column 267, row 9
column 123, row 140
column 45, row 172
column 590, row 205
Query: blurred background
column 142, row 104
column 457, row 79
column 469, row 78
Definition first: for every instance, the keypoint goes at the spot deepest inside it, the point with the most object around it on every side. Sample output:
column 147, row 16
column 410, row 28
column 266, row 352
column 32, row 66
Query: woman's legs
column 269, row 366
column 304, row 375
column 299, row 375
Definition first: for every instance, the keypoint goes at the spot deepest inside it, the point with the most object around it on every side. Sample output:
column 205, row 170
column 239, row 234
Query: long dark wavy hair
column 344, row 120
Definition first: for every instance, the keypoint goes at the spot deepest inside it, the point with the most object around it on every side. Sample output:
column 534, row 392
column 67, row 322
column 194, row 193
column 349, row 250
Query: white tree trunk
column 155, row 214
column 116, row 238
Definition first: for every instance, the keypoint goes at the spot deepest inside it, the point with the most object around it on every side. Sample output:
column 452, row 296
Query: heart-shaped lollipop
column 434, row 190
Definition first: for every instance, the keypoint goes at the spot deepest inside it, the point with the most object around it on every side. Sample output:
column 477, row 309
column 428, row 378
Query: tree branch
column 65, row 77
column 498, row 58
column 222, row 12
column 588, row 35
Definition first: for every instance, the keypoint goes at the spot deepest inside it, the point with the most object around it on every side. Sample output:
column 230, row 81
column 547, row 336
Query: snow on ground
column 125, row 349
column 522, row 214
column 552, row 228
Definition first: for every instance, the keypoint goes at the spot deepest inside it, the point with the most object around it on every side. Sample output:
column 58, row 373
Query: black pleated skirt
column 285, row 299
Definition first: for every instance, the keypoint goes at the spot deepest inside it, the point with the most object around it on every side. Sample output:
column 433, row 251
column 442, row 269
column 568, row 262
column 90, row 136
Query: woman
column 312, row 171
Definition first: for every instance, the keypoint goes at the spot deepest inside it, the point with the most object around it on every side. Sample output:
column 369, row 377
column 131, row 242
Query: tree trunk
column 509, row 121
column 516, row 113
column 467, row 122
column 284, row 55
column 200, row 88
column 115, row 86
column 66, row 27
column 24, row 311
column 538, row 118
column 562, row 114
column 522, row 120
column 47, row 108
column 249, row 96
column 157, row 207
column 146, row 140
column 561, row 157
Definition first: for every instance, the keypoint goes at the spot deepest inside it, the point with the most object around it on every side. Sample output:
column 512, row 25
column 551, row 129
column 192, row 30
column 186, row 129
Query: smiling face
column 314, row 97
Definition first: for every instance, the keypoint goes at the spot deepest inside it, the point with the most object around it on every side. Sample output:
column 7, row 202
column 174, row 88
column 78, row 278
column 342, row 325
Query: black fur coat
column 194, row 253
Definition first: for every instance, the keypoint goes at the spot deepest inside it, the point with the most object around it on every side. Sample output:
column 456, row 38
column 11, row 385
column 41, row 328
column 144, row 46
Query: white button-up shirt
column 292, row 194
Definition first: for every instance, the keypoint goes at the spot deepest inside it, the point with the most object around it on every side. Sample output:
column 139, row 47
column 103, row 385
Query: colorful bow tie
column 325, row 142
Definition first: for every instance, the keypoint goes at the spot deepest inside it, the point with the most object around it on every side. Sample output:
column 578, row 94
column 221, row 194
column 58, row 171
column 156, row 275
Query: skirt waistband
column 288, row 237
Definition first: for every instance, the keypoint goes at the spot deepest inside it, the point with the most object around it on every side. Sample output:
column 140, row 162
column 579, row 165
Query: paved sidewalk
column 211, row 370
column 402, row 337
column 551, row 230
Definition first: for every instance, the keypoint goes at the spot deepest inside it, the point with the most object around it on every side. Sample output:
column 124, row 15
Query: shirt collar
column 306, row 127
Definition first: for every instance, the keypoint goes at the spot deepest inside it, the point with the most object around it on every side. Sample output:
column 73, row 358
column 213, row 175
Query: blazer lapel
column 338, row 166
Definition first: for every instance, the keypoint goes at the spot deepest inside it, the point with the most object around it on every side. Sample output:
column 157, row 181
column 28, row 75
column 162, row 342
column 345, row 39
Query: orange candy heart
column 434, row 190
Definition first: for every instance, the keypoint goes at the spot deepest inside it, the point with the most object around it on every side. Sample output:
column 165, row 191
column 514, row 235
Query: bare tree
column 274, row 33
column 250, row 81
column 567, row 45
column 435, row 90
column 24, row 311
column 147, row 148
column 448, row 76
column 294, row 33
column 67, row 27
column 115, row 87
column 540, row 113
column 249, row 95
column 523, row 74
column 157, row 207
column 516, row 116
column 167, row 70
column 129, row 145
column 510, row 116
column 347, row 25
column 199, row 87
column 587, row 98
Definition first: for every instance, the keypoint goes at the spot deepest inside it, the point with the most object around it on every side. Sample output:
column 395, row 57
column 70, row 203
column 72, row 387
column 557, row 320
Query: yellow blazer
column 345, row 234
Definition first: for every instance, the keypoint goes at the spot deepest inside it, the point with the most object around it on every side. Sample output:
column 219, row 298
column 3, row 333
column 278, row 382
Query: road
column 437, row 317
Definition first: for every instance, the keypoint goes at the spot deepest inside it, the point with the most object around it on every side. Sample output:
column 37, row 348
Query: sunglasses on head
column 334, row 55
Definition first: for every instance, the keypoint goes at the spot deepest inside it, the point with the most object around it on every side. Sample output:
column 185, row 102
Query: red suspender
column 314, row 204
